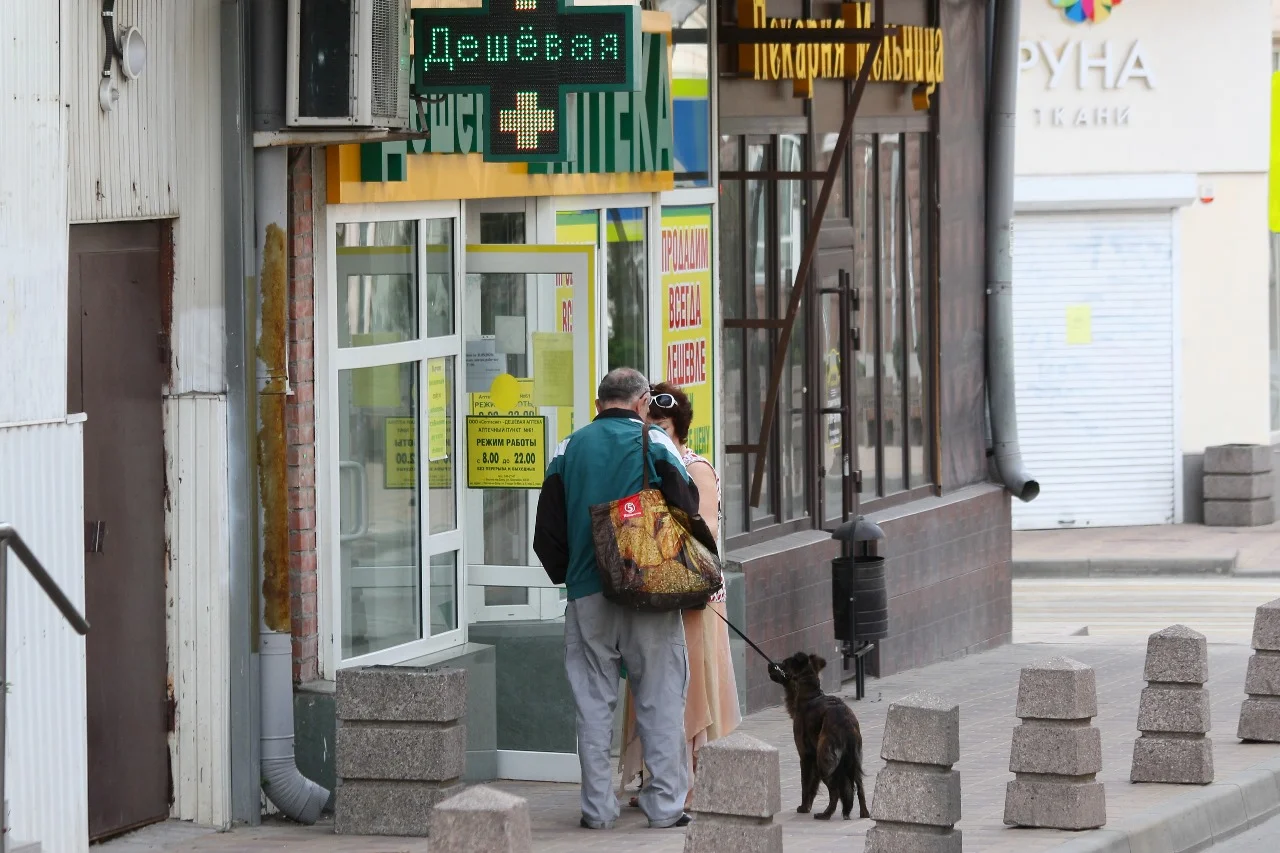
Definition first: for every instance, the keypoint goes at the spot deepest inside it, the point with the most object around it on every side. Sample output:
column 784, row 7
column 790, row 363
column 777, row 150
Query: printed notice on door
column 687, row 329
column 401, row 445
column 506, row 452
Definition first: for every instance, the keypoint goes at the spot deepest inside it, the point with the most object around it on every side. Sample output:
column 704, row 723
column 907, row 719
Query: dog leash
column 773, row 667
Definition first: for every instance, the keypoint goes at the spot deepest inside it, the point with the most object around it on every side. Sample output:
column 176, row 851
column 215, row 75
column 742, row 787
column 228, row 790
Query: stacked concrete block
column 1057, row 751
column 1173, row 713
column 736, row 793
column 401, row 747
column 1238, row 486
column 1260, row 713
column 917, row 798
column 481, row 820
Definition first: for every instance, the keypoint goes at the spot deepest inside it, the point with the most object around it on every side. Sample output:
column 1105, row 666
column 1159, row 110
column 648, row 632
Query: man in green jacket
column 597, row 464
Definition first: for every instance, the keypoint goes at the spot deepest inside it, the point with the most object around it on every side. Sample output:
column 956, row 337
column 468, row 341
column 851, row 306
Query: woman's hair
column 680, row 415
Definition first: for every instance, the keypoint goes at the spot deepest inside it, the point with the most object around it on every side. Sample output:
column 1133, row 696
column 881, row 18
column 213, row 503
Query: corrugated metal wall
column 198, row 358
column 42, row 494
column 123, row 163
column 33, row 218
column 199, row 651
column 158, row 155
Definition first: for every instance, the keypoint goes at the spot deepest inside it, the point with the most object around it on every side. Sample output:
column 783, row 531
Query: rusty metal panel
column 198, row 327
column 198, row 572
column 41, row 470
column 33, row 217
column 123, row 163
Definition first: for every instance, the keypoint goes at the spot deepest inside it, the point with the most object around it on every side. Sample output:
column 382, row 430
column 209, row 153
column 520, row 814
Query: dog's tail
column 831, row 751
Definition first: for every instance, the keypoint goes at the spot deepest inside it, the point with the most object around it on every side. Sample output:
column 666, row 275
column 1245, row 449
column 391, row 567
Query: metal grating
column 385, row 54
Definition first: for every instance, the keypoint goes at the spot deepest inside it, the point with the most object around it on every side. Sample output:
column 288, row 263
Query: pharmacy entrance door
column 531, row 371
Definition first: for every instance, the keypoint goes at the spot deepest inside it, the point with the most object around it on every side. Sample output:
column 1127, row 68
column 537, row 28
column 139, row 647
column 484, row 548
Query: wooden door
column 116, row 366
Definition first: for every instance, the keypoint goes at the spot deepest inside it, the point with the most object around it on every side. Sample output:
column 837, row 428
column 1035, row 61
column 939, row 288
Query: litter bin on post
column 859, row 597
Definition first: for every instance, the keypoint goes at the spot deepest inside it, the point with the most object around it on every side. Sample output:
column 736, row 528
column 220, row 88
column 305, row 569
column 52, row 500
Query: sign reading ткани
column 524, row 57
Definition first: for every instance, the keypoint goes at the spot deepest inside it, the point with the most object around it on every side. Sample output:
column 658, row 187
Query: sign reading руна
column 687, row 327
column 523, row 57
column 1104, row 69
column 915, row 55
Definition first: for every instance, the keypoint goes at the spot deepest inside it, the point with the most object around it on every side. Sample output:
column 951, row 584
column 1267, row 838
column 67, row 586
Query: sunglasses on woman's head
column 663, row 401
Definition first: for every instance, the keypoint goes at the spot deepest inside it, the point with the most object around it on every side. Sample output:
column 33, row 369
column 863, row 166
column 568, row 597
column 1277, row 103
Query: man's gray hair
column 622, row 385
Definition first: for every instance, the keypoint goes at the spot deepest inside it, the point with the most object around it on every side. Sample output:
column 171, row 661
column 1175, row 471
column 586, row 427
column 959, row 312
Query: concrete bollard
column 482, row 820
column 1260, row 713
column 1238, row 485
column 1173, row 714
column 917, row 798
column 401, row 747
column 1057, row 752
column 736, row 793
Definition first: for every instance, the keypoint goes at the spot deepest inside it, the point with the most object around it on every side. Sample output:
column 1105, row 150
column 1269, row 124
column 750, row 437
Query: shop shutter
column 1093, row 342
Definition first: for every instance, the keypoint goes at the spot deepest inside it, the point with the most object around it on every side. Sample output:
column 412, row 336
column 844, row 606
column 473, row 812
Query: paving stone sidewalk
column 1176, row 547
column 985, row 685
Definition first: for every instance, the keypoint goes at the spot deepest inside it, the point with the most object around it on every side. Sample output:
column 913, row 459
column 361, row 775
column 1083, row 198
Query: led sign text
column 915, row 55
column 524, row 57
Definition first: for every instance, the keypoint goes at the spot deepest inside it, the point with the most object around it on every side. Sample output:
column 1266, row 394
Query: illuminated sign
column 605, row 133
column 523, row 57
column 913, row 56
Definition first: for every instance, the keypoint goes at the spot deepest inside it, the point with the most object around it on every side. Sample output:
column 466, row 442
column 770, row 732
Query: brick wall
column 948, row 570
column 300, row 419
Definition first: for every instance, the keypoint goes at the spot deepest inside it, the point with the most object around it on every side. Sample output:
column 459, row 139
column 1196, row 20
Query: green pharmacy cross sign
column 524, row 57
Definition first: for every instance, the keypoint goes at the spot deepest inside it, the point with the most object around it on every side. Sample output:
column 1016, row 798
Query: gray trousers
column 598, row 635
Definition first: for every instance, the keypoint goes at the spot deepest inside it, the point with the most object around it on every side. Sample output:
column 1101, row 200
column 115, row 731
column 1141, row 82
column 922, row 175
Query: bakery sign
column 914, row 56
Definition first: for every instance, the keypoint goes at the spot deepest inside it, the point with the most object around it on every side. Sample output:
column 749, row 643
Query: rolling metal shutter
column 1094, row 346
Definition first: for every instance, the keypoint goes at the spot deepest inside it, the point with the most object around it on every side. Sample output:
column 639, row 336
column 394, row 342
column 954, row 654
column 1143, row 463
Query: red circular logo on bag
column 630, row 508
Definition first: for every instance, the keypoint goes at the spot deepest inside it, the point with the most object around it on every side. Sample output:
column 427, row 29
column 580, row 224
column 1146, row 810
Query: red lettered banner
column 687, row 333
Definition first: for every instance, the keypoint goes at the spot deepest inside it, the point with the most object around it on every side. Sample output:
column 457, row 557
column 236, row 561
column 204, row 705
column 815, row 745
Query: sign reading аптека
column 524, row 56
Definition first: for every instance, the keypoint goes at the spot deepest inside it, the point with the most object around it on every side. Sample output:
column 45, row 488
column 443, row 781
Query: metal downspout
column 1002, row 95
column 282, row 782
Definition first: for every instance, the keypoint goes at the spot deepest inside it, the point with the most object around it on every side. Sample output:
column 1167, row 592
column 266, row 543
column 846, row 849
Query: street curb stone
column 1119, row 568
column 1194, row 821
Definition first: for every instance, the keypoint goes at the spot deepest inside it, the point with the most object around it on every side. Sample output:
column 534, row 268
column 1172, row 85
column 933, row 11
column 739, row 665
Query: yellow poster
column 437, row 410
column 573, row 227
column 506, row 452
column 401, row 465
column 1079, row 325
column 553, row 368
column 687, row 330
column 484, row 404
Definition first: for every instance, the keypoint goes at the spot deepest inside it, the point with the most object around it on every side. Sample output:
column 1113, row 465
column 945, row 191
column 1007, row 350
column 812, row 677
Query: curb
column 1193, row 822
column 1119, row 568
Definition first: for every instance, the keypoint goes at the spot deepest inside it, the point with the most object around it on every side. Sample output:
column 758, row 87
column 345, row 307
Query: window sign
column 523, row 57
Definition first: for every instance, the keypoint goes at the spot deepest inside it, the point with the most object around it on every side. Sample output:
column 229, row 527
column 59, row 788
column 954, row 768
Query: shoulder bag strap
column 644, row 456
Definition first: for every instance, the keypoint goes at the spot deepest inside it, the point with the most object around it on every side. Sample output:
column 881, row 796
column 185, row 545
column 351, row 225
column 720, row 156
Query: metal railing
column 11, row 541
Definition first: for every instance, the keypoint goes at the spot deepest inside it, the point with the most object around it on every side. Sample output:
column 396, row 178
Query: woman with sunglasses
column 711, row 709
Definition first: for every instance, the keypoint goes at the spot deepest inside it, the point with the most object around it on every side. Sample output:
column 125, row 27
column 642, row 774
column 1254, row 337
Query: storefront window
column 378, row 298
column 883, row 211
column 395, row 418
column 690, row 90
column 626, row 267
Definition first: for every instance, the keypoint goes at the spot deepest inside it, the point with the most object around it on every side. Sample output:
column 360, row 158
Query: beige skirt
column 711, row 709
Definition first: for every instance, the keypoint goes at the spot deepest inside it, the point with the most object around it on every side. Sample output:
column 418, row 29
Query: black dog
column 827, row 734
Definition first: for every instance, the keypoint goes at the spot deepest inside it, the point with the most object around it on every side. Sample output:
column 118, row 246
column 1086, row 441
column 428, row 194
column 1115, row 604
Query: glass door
column 529, row 379
column 394, row 367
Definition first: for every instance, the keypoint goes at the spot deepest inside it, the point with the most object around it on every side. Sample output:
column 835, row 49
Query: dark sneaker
column 683, row 820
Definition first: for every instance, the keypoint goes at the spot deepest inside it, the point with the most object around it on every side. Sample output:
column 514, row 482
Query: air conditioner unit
column 348, row 63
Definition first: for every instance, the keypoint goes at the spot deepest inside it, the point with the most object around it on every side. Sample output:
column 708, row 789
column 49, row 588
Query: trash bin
column 859, row 597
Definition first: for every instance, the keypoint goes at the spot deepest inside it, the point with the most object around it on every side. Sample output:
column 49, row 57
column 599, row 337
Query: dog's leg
column 858, row 781
column 834, row 797
column 847, row 786
column 808, row 782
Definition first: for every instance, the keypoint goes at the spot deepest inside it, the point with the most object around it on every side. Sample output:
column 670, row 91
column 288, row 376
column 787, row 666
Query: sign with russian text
column 914, row 56
column 687, row 329
column 506, row 452
column 523, row 57
column 401, row 464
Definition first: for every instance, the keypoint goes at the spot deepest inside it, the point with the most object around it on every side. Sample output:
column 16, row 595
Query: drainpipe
column 284, row 785
column 1002, row 96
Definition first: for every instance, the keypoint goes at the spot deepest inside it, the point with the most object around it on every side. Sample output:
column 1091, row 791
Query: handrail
column 10, row 540
column 9, row 536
